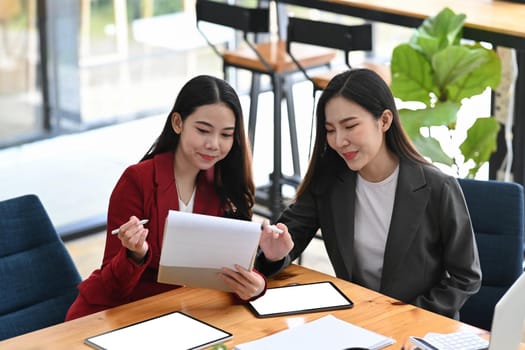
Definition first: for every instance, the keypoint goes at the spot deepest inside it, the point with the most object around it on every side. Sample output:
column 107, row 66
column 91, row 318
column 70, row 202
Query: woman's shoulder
column 139, row 169
column 427, row 174
column 152, row 167
column 329, row 176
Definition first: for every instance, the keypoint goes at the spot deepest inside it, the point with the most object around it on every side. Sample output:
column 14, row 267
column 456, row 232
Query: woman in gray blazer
column 390, row 220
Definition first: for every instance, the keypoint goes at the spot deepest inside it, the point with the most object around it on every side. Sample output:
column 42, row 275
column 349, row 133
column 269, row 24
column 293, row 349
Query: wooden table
column 495, row 21
column 500, row 22
column 371, row 310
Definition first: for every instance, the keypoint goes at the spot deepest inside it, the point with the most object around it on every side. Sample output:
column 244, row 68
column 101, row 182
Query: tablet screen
column 175, row 330
column 300, row 298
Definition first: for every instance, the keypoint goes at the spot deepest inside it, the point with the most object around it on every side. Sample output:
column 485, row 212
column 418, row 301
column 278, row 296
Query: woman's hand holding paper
column 246, row 284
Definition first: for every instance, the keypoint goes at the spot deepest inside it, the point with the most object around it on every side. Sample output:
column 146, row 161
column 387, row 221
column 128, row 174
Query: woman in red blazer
column 200, row 163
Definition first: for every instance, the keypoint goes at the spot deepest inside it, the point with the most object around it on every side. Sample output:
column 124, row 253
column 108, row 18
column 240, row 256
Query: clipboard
column 299, row 299
column 196, row 247
column 175, row 330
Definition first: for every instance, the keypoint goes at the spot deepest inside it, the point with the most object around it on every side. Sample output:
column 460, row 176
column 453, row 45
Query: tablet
column 300, row 298
column 175, row 330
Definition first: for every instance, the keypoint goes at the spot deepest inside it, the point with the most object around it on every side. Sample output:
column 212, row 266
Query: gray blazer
column 431, row 259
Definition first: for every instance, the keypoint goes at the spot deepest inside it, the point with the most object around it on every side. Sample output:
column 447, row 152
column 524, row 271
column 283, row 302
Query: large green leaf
column 436, row 68
column 456, row 62
column 411, row 75
column 478, row 80
column 411, row 121
column 438, row 32
column 443, row 114
column 480, row 142
column 431, row 148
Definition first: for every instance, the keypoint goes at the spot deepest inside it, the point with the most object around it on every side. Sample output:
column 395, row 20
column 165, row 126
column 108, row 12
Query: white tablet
column 175, row 330
column 300, row 298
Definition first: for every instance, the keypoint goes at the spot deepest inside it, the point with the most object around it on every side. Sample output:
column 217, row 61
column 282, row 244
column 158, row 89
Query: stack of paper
column 196, row 247
column 327, row 333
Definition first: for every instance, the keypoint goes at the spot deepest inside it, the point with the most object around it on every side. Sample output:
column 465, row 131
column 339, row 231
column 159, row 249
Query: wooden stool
column 346, row 38
column 268, row 58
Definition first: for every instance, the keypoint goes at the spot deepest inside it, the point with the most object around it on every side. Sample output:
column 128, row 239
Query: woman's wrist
column 273, row 260
column 262, row 291
column 137, row 258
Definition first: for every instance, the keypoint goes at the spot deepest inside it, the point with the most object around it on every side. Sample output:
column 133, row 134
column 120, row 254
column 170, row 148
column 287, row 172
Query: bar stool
column 347, row 38
column 264, row 58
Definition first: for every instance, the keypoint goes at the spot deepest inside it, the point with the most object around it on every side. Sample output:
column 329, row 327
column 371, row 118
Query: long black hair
column 366, row 88
column 233, row 174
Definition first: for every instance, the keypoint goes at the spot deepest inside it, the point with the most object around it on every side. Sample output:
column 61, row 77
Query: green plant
column 439, row 70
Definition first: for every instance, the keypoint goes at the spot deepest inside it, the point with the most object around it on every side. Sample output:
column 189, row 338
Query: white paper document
column 196, row 247
column 327, row 333
column 172, row 331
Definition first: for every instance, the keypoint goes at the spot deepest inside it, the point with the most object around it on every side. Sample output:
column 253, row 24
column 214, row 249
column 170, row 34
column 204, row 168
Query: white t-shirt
column 373, row 212
column 189, row 207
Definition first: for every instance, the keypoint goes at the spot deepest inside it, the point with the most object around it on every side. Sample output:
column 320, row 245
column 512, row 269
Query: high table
column 371, row 310
column 494, row 21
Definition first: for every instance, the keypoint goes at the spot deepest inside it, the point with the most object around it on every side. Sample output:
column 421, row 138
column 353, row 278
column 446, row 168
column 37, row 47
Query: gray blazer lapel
column 343, row 208
column 412, row 194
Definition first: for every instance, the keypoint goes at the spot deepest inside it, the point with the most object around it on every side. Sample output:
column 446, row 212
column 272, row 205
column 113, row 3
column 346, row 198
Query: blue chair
column 496, row 210
column 38, row 278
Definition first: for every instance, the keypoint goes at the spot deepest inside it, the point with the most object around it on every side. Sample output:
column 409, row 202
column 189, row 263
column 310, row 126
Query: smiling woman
column 390, row 220
column 206, row 137
column 203, row 152
column 357, row 135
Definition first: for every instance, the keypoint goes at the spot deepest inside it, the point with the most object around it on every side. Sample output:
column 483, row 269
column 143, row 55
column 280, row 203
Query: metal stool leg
column 288, row 93
column 275, row 189
column 255, row 89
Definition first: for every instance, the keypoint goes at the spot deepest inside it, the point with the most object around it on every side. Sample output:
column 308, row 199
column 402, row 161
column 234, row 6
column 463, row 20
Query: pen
column 117, row 230
column 273, row 228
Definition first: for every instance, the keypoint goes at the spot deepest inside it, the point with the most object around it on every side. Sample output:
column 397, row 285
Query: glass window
column 20, row 96
column 107, row 61
column 135, row 55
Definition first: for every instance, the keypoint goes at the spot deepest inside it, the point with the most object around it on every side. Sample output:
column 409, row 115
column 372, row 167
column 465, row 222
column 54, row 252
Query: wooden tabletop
column 496, row 21
column 488, row 15
column 371, row 310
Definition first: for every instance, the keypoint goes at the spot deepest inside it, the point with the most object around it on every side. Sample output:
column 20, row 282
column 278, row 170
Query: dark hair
column 366, row 88
column 233, row 174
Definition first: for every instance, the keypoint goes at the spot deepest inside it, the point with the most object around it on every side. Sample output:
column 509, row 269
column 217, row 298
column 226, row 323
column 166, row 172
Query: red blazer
column 146, row 190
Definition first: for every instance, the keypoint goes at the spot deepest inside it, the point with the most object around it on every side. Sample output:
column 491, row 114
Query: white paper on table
column 196, row 247
column 327, row 332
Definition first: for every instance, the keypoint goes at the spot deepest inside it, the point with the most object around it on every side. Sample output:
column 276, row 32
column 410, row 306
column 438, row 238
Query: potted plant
column 439, row 70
